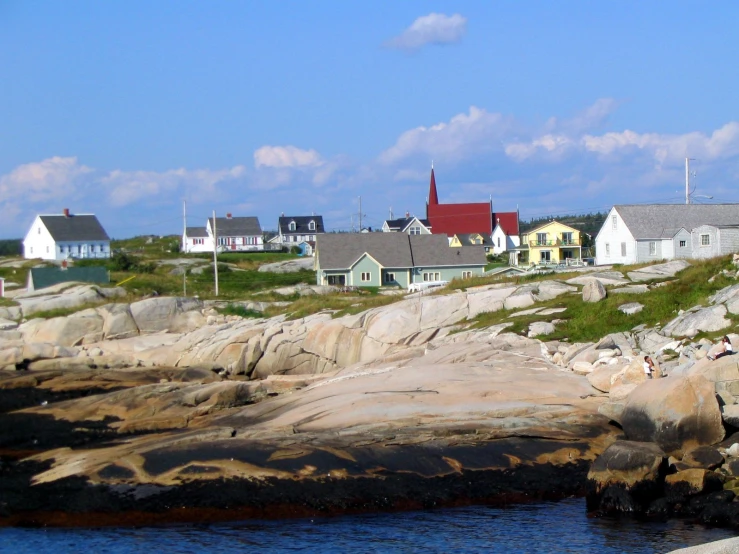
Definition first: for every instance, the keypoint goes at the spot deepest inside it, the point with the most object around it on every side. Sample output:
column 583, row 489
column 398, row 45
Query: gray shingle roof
column 301, row 224
column 434, row 250
column 74, row 227
column 196, row 232
column 236, row 226
column 341, row 250
column 394, row 250
column 655, row 221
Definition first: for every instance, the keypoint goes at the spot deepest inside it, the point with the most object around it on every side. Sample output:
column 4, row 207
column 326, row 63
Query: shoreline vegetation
column 277, row 399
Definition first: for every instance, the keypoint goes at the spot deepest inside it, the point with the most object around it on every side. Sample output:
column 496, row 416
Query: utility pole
column 687, row 180
column 215, row 251
column 360, row 214
column 184, row 246
column 391, row 212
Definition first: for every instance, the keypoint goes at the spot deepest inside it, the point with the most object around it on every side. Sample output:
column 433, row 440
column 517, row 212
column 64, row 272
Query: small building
column 637, row 233
column 551, row 243
column 42, row 277
column 236, row 234
column 66, row 235
column 471, row 239
column 410, row 225
column 196, row 239
column 394, row 259
column 505, row 237
column 293, row 230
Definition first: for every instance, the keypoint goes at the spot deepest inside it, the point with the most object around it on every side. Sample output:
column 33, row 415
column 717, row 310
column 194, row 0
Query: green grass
column 585, row 322
column 241, row 311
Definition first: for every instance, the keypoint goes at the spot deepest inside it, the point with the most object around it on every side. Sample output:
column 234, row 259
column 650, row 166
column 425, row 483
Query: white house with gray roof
column 196, row 239
column 396, row 259
column 639, row 233
column 235, row 234
column 66, row 235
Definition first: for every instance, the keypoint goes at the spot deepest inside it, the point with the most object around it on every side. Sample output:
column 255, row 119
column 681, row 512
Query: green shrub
column 239, row 310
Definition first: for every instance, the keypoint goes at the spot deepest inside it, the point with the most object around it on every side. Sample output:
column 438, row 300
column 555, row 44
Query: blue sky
column 124, row 109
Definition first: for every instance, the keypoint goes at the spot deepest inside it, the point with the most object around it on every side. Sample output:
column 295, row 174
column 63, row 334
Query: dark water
column 547, row 527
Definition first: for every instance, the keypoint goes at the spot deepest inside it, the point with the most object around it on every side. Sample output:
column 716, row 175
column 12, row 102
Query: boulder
column 593, row 291
column 612, row 410
column 64, row 331
column 156, row 314
column 582, row 368
column 631, row 308
column 631, row 289
column 118, row 322
column 677, row 413
column 626, row 463
column 659, row 271
column 730, row 415
column 604, row 277
column 600, row 378
column 705, row 319
column 539, row 328
column 690, row 482
column 703, row 457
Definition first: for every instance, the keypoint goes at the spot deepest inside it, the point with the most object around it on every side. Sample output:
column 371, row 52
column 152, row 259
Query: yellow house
column 552, row 243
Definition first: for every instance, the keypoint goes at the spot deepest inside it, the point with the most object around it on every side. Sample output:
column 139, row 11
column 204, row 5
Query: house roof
column 434, row 251
column 508, row 221
column 301, row 224
column 81, row 227
column 655, row 221
column 403, row 223
column 451, row 219
column 342, row 250
column 236, row 226
column 196, row 232
column 394, row 250
column 43, row 277
column 466, row 239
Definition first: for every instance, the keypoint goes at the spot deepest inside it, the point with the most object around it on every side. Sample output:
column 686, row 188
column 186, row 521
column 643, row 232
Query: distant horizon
column 125, row 110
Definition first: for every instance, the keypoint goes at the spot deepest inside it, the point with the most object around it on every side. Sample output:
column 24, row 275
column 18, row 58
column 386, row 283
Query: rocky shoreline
column 165, row 411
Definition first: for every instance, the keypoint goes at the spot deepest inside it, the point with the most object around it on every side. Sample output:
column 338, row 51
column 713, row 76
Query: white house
column 503, row 242
column 237, row 234
column 294, row 230
column 66, row 235
column 649, row 232
column 408, row 225
column 196, row 239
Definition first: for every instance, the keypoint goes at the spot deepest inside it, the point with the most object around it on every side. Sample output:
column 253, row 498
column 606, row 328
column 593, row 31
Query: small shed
column 42, row 277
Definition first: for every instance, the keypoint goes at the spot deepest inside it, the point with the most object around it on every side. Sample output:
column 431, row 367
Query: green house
column 392, row 259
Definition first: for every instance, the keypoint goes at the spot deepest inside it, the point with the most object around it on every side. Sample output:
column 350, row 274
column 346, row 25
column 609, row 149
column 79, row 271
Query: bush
column 241, row 311
column 295, row 250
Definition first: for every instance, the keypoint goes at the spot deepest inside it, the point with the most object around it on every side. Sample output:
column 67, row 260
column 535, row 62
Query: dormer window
column 312, row 225
column 292, row 226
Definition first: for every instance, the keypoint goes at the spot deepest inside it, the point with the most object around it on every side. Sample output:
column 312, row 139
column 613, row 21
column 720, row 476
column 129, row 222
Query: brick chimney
column 66, row 212
column 228, row 216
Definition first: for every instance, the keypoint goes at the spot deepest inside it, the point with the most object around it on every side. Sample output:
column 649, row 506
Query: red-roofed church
column 474, row 217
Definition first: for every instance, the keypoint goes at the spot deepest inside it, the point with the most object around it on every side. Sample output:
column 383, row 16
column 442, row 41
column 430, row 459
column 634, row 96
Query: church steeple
column 433, row 197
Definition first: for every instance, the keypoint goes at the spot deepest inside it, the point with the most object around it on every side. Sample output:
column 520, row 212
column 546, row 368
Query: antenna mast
column 215, row 251
column 687, row 180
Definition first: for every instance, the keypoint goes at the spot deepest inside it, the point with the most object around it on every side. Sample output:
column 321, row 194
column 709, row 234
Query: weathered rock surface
column 690, row 323
column 678, row 414
column 593, row 291
column 289, row 266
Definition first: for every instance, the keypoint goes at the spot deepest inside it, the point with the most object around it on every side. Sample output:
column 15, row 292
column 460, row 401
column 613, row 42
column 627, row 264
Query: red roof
column 433, row 197
column 460, row 218
column 508, row 222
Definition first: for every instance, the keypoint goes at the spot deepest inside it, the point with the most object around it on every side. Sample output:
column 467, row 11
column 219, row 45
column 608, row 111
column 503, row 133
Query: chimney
column 66, row 212
column 228, row 216
column 407, row 215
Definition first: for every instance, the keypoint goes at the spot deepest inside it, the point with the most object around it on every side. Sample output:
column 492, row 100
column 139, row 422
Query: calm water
column 548, row 527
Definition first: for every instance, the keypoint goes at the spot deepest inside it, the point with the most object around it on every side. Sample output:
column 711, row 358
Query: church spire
column 433, row 197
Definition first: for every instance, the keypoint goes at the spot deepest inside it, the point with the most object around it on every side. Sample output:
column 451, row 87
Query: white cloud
column 127, row 187
column 48, row 179
column 286, row 156
column 463, row 137
column 434, row 28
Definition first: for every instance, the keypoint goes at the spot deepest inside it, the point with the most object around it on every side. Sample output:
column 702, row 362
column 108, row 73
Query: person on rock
column 648, row 367
column 724, row 349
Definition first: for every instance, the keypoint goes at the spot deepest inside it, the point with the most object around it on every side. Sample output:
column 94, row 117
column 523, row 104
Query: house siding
column 365, row 265
column 614, row 238
column 709, row 251
column 682, row 251
column 729, row 240
column 642, row 250
column 401, row 277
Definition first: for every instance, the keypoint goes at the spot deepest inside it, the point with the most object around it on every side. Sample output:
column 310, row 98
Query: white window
column 652, row 248
column 47, row 249
column 614, row 222
column 467, row 274
column 432, row 276
column 567, row 238
column 498, row 242
column 623, row 249
column 608, row 250
column 312, row 226
column 366, row 276
column 415, row 231
column 39, row 230
column 682, row 244
column 705, row 240
column 389, row 277
column 292, row 226
column 541, row 239
column 31, row 249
